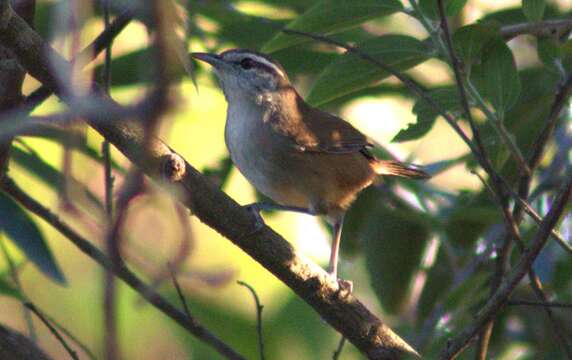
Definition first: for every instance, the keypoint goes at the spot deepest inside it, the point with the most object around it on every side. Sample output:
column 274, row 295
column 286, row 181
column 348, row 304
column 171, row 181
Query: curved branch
column 342, row 311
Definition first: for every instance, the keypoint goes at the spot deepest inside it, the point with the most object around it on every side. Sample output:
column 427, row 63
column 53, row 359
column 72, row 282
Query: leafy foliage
column 23, row 231
column 497, row 77
column 431, row 10
column 533, row 9
column 350, row 73
column 329, row 16
column 447, row 98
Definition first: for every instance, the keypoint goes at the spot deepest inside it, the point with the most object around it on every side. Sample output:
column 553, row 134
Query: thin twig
column 121, row 272
column 553, row 28
column 68, row 334
column 179, row 292
column 538, row 219
column 105, row 147
column 259, row 308
column 131, row 188
column 111, row 340
column 552, row 304
column 338, row 351
column 53, row 330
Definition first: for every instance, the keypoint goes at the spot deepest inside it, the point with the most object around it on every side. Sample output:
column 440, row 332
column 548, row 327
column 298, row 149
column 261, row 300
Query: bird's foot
column 255, row 210
column 345, row 287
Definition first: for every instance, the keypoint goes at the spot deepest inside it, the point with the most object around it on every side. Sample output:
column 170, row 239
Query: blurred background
column 403, row 245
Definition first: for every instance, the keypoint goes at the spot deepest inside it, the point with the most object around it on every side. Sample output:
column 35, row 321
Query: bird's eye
column 247, row 63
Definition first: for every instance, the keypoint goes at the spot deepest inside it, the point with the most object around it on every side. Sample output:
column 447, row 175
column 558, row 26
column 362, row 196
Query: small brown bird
column 304, row 159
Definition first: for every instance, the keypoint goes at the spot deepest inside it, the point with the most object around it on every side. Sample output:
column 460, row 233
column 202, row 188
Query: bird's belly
column 251, row 152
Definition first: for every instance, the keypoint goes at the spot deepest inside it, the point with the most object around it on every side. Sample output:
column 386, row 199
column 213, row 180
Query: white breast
column 244, row 123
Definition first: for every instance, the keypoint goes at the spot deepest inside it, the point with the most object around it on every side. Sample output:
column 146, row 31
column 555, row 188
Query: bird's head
column 245, row 72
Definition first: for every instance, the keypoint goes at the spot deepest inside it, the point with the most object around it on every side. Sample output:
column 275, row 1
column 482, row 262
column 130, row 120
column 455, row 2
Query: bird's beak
column 212, row 59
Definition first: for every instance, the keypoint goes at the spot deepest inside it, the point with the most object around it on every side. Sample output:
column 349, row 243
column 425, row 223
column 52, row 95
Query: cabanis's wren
column 304, row 159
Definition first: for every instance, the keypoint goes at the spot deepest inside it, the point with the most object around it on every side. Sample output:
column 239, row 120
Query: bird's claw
column 345, row 287
column 259, row 222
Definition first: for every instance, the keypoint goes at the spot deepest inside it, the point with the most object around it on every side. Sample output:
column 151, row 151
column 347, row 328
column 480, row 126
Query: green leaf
column 350, row 73
column 466, row 223
column 447, row 98
column 497, row 78
column 470, row 40
column 533, row 9
column 566, row 51
column 332, row 16
column 241, row 29
column 129, row 69
column 439, row 279
column 515, row 15
column 431, row 9
column 51, row 176
column 414, row 131
column 550, row 53
column 393, row 240
column 7, row 289
column 393, row 249
column 24, row 232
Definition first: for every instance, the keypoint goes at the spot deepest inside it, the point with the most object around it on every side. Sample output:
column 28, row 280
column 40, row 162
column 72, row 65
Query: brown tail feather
column 396, row 168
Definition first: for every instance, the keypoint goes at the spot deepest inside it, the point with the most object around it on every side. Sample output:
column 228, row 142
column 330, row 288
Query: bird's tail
column 396, row 168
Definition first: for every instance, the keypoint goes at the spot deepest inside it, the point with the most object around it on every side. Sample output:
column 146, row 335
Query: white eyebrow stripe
column 262, row 60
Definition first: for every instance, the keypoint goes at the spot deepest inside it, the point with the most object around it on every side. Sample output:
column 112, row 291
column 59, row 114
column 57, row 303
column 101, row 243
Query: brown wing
column 314, row 130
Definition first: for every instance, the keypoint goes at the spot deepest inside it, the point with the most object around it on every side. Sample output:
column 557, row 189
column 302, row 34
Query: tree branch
column 543, row 28
column 552, row 304
column 343, row 311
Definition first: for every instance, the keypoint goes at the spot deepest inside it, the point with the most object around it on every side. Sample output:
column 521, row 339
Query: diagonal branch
column 342, row 311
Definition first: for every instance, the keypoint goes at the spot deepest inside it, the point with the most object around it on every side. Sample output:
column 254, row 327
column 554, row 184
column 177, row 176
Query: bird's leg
column 333, row 267
column 256, row 208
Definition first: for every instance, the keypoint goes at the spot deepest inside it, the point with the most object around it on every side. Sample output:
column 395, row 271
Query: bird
column 302, row 158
